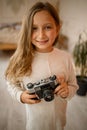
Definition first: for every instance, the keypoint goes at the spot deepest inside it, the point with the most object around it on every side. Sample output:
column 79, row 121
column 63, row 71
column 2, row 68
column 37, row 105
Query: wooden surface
column 8, row 46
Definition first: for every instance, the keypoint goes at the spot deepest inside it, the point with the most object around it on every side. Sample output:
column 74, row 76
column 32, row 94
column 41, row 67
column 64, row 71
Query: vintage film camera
column 44, row 88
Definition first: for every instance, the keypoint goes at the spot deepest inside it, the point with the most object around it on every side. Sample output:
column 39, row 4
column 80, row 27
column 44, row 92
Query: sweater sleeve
column 15, row 91
column 72, row 82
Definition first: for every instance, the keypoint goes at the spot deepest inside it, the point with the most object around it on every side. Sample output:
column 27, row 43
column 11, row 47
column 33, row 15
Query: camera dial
column 30, row 85
column 53, row 77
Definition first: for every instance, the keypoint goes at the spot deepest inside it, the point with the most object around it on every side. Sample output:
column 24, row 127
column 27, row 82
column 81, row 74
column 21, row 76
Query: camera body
column 44, row 88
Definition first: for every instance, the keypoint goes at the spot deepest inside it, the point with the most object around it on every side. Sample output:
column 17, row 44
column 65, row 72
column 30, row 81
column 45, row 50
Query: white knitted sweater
column 48, row 115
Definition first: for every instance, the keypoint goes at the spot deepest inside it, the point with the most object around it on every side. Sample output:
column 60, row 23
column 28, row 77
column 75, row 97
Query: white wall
column 73, row 14
column 13, row 10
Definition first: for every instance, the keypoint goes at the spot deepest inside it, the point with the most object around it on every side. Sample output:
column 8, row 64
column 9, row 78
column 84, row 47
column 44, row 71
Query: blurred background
column 73, row 14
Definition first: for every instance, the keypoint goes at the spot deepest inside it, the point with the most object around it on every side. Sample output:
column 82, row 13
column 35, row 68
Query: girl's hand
column 27, row 98
column 62, row 90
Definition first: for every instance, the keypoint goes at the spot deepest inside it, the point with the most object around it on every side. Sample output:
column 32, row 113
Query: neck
column 44, row 50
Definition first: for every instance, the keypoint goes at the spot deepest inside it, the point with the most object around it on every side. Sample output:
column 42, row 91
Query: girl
column 36, row 58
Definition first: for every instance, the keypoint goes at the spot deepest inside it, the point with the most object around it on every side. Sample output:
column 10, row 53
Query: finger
column 31, row 101
column 61, row 91
column 26, row 91
column 64, row 94
column 58, row 89
column 64, row 88
column 32, row 96
column 61, row 79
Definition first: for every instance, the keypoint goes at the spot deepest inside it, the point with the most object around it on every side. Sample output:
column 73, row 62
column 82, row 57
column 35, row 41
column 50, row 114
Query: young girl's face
column 44, row 31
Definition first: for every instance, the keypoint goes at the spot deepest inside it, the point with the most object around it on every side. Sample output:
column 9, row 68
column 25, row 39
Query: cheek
column 53, row 35
column 33, row 37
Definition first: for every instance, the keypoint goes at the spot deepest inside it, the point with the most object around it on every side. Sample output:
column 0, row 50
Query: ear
column 58, row 28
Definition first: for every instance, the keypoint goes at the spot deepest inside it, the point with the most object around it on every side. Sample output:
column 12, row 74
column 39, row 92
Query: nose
column 41, row 33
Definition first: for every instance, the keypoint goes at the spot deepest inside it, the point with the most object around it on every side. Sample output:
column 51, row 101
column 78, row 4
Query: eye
column 34, row 28
column 48, row 27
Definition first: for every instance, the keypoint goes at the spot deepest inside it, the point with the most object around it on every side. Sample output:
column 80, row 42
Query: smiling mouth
column 42, row 42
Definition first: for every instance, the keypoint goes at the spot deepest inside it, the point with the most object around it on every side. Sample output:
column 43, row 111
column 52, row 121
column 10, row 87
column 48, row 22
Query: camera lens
column 48, row 95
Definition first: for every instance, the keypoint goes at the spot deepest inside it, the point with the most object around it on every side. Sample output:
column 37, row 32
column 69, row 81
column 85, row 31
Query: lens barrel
column 48, row 95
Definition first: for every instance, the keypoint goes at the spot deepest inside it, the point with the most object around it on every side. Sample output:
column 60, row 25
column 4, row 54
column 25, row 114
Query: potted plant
column 80, row 57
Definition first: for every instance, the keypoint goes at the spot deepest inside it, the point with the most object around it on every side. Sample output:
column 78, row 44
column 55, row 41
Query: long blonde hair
column 20, row 62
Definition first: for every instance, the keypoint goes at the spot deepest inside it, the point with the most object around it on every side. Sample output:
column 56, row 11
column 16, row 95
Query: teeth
column 42, row 41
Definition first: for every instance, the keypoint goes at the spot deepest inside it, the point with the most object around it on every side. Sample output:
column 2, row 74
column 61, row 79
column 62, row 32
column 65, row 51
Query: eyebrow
column 43, row 24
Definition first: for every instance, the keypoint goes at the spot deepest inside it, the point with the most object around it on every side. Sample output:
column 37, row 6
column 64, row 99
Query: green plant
column 80, row 54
